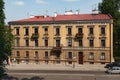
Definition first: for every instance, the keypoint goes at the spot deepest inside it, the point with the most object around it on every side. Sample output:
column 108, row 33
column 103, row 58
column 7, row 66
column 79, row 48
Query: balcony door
column 57, row 43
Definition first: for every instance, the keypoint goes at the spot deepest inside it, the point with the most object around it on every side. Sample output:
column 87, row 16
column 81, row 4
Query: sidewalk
column 76, row 67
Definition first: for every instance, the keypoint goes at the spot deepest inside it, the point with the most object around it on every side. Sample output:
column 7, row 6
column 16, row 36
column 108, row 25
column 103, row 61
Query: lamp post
column 74, row 58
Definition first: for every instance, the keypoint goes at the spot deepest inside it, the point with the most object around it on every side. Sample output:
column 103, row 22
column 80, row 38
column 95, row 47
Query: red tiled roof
column 80, row 17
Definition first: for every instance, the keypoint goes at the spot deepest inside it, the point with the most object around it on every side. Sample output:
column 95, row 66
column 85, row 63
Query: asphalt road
column 59, row 75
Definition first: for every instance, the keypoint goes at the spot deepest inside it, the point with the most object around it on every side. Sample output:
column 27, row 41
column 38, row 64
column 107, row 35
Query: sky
column 22, row 9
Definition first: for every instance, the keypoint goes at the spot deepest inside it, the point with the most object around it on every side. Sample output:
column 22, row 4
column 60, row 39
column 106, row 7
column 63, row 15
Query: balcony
column 91, row 35
column 78, row 36
column 34, row 36
column 69, row 34
column 56, row 50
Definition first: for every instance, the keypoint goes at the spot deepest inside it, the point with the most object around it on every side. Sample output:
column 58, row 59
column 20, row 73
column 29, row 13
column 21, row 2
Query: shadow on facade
column 15, row 78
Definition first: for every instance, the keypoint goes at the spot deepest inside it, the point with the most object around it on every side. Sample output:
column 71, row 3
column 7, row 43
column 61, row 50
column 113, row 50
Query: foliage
column 6, row 39
column 112, row 7
column 117, row 59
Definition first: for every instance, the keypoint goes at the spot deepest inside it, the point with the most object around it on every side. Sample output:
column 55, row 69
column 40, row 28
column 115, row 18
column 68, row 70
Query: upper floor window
column 103, row 42
column 36, row 30
column 46, row 30
column 36, row 42
column 91, row 56
column 46, row 42
column 70, row 42
column 17, row 41
column 57, row 42
column 80, row 30
column 17, row 31
column 26, row 31
column 91, row 42
column 26, row 42
column 57, row 31
column 80, row 43
column 102, row 57
column 103, row 30
column 91, row 30
column 69, row 31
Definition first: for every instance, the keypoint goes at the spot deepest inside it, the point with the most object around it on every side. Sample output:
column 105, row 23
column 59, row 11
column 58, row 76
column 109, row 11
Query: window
column 36, row 42
column 69, row 31
column 17, row 54
column 27, row 54
column 26, row 42
column 46, row 30
column 103, row 43
column 57, row 31
column 26, row 31
column 36, row 54
column 70, row 42
column 36, row 30
column 103, row 30
column 17, row 31
column 70, row 55
column 91, row 30
column 80, row 43
column 46, row 42
column 17, row 42
column 80, row 30
column 102, row 57
column 91, row 56
column 46, row 54
column 57, row 43
column 91, row 43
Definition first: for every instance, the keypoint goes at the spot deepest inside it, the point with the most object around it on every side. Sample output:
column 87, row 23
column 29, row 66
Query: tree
column 112, row 7
column 6, row 39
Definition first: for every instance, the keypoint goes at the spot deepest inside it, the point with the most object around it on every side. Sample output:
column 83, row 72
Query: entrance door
column 80, row 57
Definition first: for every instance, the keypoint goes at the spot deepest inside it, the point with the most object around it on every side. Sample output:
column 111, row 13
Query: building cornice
column 59, row 22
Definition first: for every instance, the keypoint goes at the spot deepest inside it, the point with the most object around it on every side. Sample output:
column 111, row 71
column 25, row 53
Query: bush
column 117, row 59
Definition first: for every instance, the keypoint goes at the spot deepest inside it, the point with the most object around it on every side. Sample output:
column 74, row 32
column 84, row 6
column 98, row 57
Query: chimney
column 69, row 12
column 95, row 11
column 31, row 16
column 55, row 14
column 77, row 12
column 45, row 16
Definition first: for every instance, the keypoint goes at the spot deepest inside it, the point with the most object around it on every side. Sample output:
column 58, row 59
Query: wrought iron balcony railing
column 78, row 36
column 34, row 36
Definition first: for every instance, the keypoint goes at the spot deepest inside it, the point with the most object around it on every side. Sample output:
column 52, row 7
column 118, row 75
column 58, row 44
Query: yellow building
column 63, row 39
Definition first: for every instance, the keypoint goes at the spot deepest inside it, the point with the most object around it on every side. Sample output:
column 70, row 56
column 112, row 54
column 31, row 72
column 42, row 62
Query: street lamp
column 74, row 58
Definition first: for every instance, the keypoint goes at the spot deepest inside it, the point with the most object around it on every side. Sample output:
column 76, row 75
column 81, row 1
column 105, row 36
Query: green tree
column 6, row 39
column 112, row 7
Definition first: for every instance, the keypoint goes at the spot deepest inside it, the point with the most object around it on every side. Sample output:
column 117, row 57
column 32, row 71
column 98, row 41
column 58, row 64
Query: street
column 59, row 75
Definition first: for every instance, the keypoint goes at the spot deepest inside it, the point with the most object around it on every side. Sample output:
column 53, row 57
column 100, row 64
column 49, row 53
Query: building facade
column 63, row 39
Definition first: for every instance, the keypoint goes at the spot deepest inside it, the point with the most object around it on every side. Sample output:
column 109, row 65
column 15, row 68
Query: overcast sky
column 20, row 9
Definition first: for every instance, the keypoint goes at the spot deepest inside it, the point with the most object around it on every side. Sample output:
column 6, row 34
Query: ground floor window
column 91, row 56
column 102, row 57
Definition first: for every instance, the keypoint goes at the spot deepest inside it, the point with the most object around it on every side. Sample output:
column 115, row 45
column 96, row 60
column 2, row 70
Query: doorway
column 80, row 57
